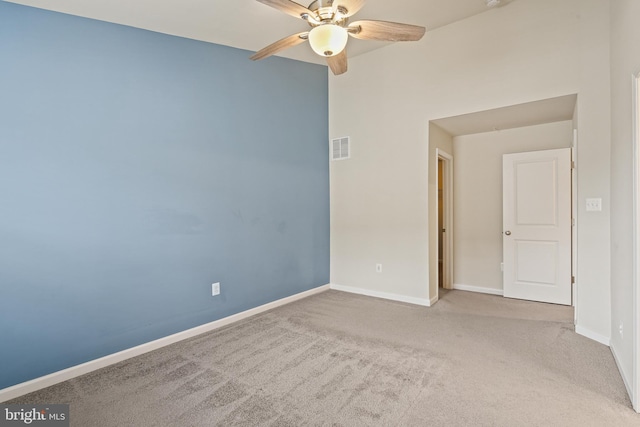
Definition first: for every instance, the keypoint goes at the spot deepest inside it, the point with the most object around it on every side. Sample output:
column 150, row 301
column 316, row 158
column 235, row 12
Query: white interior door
column 537, row 225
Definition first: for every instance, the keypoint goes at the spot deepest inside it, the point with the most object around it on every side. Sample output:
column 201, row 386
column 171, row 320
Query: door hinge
column 573, row 222
column 573, row 164
column 444, row 230
column 573, row 279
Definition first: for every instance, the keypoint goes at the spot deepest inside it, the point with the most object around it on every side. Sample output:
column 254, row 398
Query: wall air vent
column 340, row 149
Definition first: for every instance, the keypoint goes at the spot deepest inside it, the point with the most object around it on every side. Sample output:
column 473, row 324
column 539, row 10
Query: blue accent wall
column 138, row 168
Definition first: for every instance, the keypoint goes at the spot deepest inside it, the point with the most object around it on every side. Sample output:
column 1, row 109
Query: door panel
column 536, row 193
column 536, row 262
column 537, row 226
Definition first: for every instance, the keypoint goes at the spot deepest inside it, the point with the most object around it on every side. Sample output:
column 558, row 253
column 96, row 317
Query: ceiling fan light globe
column 328, row 39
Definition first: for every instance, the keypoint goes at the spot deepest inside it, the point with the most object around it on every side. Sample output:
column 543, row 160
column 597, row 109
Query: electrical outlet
column 378, row 268
column 215, row 289
column 621, row 333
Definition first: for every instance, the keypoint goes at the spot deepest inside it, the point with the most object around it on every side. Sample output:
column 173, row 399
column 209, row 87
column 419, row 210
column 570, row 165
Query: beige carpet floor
column 338, row 359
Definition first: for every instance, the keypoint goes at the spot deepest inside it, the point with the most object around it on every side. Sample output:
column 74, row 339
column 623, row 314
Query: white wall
column 593, row 315
column 525, row 51
column 625, row 62
column 477, row 223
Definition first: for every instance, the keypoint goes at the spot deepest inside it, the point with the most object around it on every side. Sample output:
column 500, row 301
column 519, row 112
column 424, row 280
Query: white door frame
column 574, row 224
column 636, row 244
column 447, row 194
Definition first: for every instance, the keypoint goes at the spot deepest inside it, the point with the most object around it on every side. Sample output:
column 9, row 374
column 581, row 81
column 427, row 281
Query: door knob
column 508, row 233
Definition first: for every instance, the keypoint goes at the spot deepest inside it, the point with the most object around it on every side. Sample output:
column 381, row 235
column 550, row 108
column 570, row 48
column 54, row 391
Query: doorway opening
column 445, row 220
column 441, row 228
column 478, row 239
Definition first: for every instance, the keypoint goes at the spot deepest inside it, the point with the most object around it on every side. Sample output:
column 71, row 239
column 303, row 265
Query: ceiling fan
column 330, row 30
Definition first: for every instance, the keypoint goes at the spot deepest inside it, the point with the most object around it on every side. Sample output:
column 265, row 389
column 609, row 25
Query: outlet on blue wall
column 136, row 169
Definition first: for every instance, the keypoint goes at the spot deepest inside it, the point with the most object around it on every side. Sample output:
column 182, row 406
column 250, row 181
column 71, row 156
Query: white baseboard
column 627, row 381
column 75, row 371
column 478, row 289
column 593, row 335
column 384, row 295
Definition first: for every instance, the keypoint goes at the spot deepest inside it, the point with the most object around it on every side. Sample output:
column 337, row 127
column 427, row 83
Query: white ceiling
column 247, row 24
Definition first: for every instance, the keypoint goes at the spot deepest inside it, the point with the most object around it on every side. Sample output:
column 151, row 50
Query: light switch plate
column 594, row 205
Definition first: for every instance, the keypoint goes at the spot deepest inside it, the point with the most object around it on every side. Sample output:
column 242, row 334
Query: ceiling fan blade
column 289, row 7
column 349, row 7
column 338, row 63
column 385, row 31
column 287, row 42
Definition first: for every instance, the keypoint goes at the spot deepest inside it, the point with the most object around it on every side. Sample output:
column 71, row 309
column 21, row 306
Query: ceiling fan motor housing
column 318, row 4
column 324, row 11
